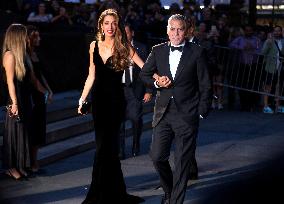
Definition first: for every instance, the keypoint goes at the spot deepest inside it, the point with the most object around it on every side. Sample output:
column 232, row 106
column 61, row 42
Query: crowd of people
column 181, row 70
column 212, row 28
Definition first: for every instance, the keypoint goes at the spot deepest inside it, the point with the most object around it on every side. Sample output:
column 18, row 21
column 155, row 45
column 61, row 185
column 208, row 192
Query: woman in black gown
column 109, row 56
column 20, row 79
column 38, row 135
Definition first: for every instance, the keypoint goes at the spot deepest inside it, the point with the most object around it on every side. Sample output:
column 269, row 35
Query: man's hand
column 164, row 82
column 147, row 97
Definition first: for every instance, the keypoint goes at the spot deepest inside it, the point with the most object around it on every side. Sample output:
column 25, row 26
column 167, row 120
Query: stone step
column 80, row 143
column 64, row 122
column 76, row 125
column 67, row 128
column 64, row 106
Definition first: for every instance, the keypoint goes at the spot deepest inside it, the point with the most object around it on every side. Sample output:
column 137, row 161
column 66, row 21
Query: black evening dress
column 16, row 140
column 108, row 109
column 38, row 136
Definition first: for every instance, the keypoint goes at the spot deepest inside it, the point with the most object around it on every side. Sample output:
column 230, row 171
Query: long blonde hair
column 15, row 41
column 121, row 50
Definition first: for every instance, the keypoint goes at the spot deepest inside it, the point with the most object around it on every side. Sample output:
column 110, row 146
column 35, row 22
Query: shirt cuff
column 156, row 84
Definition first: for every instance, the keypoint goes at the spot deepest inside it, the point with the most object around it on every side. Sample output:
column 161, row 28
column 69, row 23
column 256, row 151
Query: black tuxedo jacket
column 191, row 88
column 137, row 85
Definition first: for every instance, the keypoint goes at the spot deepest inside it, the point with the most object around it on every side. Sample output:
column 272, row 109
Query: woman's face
column 202, row 27
column 41, row 8
column 35, row 39
column 109, row 26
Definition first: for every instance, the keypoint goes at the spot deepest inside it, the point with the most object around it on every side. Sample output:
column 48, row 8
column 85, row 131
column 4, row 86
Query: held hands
column 163, row 81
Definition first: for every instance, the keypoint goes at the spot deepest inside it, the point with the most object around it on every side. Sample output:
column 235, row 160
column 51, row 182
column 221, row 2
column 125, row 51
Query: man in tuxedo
column 183, row 96
column 135, row 94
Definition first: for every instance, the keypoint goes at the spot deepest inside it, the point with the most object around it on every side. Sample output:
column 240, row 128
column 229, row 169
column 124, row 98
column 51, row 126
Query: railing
column 251, row 72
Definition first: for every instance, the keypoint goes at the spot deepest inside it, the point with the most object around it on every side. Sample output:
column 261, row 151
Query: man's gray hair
column 178, row 17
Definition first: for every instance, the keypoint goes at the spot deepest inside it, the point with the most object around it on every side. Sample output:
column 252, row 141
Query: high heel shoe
column 12, row 175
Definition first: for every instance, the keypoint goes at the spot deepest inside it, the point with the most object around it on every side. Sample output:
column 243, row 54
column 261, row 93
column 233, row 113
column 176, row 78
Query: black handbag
column 86, row 107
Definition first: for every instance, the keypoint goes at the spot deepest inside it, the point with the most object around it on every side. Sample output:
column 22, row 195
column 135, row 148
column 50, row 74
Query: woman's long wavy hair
column 15, row 41
column 121, row 51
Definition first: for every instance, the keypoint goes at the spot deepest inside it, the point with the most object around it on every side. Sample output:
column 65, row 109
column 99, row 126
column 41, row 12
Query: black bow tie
column 179, row 48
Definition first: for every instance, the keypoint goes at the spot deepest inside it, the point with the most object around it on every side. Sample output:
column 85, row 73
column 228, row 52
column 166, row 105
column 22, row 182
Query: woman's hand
column 147, row 97
column 50, row 97
column 79, row 110
column 14, row 109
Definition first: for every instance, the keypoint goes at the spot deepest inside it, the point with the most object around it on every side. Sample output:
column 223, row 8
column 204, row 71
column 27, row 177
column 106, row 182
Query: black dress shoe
column 166, row 198
column 121, row 155
column 193, row 176
column 135, row 152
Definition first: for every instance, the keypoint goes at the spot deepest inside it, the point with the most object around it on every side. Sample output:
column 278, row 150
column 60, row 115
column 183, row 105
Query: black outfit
column 108, row 109
column 211, row 61
column 38, row 136
column 176, row 113
column 134, row 92
column 16, row 140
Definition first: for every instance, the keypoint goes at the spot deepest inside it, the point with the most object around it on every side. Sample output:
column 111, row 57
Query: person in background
column 273, row 51
column 135, row 94
column 62, row 19
column 20, row 80
column 40, row 16
column 38, row 134
column 247, row 47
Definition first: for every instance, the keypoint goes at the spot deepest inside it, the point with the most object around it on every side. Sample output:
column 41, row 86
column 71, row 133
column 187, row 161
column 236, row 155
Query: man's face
column 176, row 31
column 248, row 31
column 277, row 32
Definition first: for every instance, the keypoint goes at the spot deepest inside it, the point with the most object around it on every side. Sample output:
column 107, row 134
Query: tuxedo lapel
column 185, row 57
column 165, row 55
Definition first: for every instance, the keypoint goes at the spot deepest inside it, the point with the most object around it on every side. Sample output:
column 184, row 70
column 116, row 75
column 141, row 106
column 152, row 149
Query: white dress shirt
column 130, row 72
column 130, row 69
column 174, row 59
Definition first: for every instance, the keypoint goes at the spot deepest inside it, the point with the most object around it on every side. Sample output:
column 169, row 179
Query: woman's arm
column 50, row 93
column 9, row 66
column 37, row 84
column 137, row 60
column 135, row 57
column 90, row 79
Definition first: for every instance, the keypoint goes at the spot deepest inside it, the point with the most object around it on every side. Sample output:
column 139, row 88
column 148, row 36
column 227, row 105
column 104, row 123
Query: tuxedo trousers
column 172, row 128
column 134, row 113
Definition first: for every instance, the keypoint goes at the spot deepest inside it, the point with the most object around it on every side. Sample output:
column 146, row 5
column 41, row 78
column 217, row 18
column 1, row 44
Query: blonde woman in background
column 20, row 79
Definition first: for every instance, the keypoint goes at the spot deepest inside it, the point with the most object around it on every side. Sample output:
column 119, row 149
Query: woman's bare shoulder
column 8, row 58
column 92, row 45
column 8, row 54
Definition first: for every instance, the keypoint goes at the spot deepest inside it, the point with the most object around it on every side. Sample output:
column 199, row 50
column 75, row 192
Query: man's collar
column 182, row 44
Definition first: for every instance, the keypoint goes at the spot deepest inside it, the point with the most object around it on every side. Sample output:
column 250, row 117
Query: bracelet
column 46, row 94
column 81, row 101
